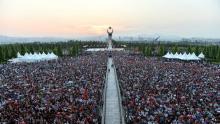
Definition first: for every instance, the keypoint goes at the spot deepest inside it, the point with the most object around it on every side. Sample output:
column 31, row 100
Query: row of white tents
column 184, row 56
column 29, row 57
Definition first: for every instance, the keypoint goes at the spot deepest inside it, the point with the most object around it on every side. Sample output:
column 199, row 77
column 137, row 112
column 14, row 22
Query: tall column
column 110, row 32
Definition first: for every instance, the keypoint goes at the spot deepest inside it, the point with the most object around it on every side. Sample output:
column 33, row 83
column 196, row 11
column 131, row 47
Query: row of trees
column 211, row 52
column 73, row 48
column 70, row 48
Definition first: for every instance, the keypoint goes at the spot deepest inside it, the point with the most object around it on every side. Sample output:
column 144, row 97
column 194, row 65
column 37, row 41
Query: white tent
column 29, row 57
column 176, row 56
column 184, row 56
column 194, row 57
column 19, row 55
column 181, row 56
column 201, row 55
column 169, row 55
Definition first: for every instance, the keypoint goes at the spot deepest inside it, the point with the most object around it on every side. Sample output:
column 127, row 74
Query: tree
column 148, row 51
column 1, row 55
column 77, row 49
column 218, row 56
column 161, row 50
column 145, row 50
column 189, row 49
column 175, row 49
column 59, row 51
column 23, row 49
column 13, row 52
column 31, row 49
column 197, row 50
column 6, row 53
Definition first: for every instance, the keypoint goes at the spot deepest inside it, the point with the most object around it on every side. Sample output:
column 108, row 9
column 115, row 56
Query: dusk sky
column 69, row 18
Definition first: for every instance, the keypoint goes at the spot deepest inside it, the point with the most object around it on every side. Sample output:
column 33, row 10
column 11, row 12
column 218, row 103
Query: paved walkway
column 110, row 45
column 112, row 99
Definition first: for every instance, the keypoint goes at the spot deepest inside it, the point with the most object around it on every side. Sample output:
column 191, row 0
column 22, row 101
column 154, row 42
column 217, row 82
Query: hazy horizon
column 74, row 18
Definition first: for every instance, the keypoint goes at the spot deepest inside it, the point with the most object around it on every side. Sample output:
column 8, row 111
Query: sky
column 69, row 18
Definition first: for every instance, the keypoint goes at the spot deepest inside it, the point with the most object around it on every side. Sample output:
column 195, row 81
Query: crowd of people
column 70, row 90
column 67, row 90
column 157, row 91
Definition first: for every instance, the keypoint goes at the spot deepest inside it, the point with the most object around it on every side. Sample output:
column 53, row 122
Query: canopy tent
column 181, row 56
column 201, row 55
column 28, row 57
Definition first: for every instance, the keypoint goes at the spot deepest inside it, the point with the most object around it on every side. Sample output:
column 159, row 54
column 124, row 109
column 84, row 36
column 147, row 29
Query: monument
column 110, row 32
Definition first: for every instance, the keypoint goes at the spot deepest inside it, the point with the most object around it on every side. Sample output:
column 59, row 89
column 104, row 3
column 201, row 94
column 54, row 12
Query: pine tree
column 1, row 55
column 197, row 50
column 149, row 51
column 13, row 52
column 218, row 56
column 6, row 53
column 161, row 50
column 145, row 51
column 23, row 49
column 31, row 49
column 59, row 51
column 189, row 49
column 174, row 49
column 77, row 49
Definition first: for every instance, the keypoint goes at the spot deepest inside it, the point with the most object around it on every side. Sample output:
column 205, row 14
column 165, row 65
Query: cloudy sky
column 67, row 18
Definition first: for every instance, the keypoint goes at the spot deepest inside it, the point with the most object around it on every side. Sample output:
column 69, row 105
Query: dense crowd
column 160, row 92
column 67, row 90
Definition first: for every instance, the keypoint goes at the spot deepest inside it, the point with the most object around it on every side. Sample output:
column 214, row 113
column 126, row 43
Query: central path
column 110, row 45
column 112, row 97
column 112, row 113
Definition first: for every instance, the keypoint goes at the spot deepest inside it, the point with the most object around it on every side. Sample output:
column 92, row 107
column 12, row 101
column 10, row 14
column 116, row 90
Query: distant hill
column 8, row 39
column 143, row 37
